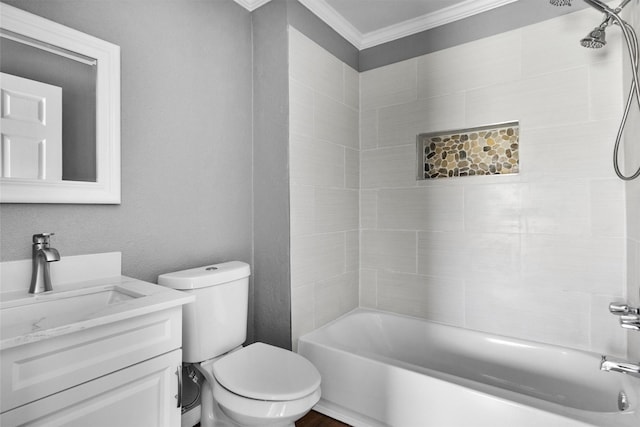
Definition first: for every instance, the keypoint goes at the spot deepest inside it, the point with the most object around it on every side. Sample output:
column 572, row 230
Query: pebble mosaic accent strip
column 487, row 150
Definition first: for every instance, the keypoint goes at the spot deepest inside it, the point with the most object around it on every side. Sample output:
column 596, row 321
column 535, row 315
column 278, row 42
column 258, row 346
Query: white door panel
column 31, row 129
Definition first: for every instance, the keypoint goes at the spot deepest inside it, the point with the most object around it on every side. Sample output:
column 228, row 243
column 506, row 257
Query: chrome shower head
column 560, row 2
column 595, row 39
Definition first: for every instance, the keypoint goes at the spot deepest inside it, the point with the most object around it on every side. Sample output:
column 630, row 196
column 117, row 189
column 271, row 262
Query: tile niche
column 485, row 150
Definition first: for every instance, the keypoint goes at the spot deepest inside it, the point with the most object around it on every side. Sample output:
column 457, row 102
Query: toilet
column 257, row 385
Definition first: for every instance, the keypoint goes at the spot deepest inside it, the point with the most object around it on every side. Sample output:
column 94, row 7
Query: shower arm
column 603, row 7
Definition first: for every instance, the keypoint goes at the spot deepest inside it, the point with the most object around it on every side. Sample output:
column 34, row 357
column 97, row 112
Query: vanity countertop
column 26, row 318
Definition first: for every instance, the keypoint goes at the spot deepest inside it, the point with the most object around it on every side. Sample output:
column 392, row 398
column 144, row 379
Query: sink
column 33, row 313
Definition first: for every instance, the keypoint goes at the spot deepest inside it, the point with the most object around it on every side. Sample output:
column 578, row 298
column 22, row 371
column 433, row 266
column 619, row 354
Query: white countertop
column 23, row 322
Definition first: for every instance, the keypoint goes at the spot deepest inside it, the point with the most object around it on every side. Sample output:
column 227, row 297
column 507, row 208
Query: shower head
column 595, row 39
column 560, row 2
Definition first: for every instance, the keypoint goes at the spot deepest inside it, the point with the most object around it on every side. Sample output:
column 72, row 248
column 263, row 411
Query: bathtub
column 383, row 369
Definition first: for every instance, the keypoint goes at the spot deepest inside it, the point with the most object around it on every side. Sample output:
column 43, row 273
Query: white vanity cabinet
column 108, row 353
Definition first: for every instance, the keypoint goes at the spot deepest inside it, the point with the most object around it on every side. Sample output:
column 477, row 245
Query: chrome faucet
column 619, row 366
column 42, row 255
column 629, row 316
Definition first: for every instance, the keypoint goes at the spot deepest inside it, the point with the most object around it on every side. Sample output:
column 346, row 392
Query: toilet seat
column 264, row 372
column 253, row 412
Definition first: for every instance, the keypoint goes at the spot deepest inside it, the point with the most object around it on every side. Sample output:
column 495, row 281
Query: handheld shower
column 596, row 39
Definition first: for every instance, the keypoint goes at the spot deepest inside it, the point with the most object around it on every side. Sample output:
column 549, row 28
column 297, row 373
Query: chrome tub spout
column 611, row 365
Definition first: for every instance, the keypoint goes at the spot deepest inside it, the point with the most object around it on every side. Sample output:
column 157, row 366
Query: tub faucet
column 610, row 365
column 42, row 255
column 629, row 316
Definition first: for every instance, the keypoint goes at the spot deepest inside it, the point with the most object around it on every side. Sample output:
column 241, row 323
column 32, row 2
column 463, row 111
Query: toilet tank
column 217, row 321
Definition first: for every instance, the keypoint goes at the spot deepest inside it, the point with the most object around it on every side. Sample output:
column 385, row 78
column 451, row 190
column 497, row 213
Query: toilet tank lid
column 203, row 277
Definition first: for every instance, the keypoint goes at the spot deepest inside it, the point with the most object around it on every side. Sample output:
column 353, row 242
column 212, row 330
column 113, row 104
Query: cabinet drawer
column 33, row 371
column 141, row 395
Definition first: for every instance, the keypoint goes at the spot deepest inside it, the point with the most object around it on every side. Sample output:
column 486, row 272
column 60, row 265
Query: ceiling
column 367, row 23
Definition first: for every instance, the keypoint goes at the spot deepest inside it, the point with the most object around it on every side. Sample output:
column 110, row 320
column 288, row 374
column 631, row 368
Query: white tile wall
column 389, row 250
column 313, row 162
column 400, row 123
column 324, row 166
column 487, row 62
column 394, row 84
column 421, row 208
column 537, row 255
column 388, row 167
column 335, row 121
column 535, row 314
column 571, row 160
column 418, row 295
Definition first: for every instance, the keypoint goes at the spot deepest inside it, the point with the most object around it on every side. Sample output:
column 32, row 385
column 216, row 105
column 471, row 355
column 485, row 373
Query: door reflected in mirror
column 77, row 82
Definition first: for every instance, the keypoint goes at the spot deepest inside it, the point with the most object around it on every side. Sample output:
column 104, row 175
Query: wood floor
column 316, row 419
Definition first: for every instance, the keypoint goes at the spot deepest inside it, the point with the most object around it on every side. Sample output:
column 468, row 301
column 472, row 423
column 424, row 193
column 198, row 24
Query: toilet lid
column 264, row 372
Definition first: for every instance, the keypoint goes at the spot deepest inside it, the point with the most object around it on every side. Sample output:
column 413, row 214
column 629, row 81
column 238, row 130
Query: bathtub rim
column 359, row 310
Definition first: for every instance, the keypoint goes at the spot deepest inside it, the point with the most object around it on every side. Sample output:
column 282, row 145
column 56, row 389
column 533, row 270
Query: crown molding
column 403, row 29
column 336, row 21
column 251, row 5
column 429, row 21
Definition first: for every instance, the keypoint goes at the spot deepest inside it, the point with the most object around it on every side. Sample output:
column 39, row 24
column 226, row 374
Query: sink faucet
column 42, row 256
column 619, row 366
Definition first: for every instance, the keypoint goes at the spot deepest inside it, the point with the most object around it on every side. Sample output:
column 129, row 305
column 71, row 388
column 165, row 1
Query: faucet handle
column 634, row 326
column 622, row 309
column 630, row 321
column 42, row 238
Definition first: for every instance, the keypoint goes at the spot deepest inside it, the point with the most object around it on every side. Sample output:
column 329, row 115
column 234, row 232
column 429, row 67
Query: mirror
column 60, row 113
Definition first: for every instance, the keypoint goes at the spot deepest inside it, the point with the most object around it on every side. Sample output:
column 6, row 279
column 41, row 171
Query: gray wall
column 186, row 139
column 272, row 272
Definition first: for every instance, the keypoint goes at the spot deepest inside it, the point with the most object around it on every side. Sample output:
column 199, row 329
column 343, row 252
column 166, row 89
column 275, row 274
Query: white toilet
column 258, row 385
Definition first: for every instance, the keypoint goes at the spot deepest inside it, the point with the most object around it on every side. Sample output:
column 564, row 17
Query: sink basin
column 32, row 313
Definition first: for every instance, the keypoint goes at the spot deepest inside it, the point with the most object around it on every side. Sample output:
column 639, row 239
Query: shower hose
column 631, row 39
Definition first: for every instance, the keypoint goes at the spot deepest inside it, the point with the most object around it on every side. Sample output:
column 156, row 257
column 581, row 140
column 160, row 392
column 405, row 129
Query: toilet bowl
column 259, row 385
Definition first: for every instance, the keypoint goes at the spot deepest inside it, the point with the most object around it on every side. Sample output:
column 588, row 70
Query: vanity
column 101, row 349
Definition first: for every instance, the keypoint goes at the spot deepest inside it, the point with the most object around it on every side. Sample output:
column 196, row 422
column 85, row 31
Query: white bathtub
column 382, row 369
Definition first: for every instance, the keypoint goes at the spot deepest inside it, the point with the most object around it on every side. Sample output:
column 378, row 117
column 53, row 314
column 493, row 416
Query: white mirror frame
column 106, row 189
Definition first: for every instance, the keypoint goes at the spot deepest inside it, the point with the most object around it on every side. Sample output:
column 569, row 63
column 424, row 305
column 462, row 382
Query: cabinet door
column 141, row 395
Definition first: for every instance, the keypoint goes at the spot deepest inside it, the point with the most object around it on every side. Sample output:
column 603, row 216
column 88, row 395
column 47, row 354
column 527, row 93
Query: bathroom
column 219, row 164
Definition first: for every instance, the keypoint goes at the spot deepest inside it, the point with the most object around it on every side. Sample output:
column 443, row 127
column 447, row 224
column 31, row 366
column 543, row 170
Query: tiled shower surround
column 491, row 150
column 324, row 181
column 537, row 255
